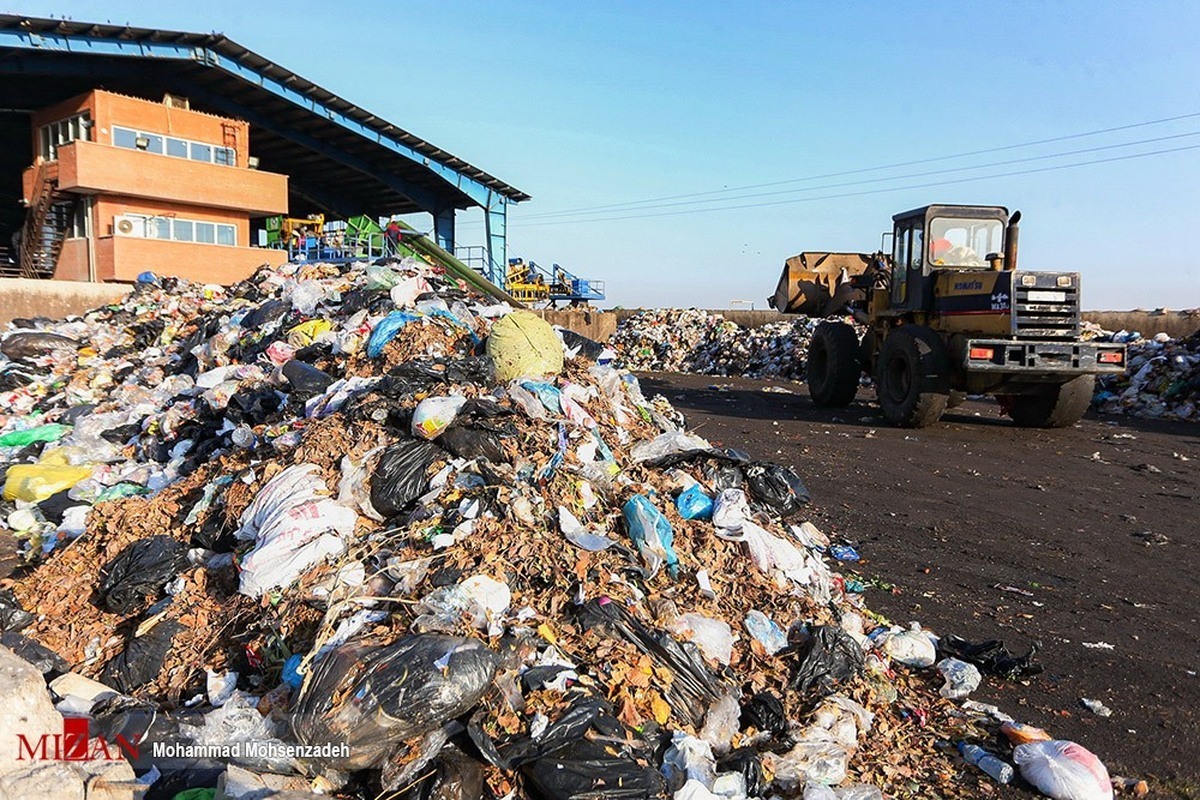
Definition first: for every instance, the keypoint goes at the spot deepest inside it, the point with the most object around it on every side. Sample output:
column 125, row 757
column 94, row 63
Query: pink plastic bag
column 1064, row 770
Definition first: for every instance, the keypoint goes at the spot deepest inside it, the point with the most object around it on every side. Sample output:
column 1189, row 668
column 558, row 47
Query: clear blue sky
column 590, row 104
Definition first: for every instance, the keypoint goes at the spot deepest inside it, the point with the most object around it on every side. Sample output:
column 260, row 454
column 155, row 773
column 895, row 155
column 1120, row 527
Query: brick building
column 127, row 185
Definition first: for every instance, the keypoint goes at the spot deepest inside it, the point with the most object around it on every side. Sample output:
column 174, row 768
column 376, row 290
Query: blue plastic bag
column 548, row 393
column 652, row 534
column 693, row 503
column 386, row 330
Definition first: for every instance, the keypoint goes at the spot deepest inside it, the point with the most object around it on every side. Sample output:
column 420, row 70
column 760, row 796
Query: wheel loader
column 947, row 313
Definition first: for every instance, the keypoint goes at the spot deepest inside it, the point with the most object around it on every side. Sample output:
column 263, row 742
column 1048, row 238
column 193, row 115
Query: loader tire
column 833, row 365
column 912, row 377
column 1059, row 405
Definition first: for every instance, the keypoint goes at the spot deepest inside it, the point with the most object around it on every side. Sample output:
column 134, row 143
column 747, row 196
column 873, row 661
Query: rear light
column 981, row 353
column 1063, row 281
column 1112, row 357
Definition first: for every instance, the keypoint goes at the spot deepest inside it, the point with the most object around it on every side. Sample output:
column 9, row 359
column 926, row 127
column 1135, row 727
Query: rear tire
column 832, row 368
column 1056, row 406
column 912, row 377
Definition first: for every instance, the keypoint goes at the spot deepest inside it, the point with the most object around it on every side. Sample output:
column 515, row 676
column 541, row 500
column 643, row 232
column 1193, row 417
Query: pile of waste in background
column 690, row 340
column 389, row 537
column 1162, row 379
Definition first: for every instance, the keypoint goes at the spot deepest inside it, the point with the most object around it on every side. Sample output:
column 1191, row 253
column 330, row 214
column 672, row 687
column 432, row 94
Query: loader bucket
column 809, row 281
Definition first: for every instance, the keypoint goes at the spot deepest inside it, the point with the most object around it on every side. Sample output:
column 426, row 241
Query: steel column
column 443, row 229
column 495, row 222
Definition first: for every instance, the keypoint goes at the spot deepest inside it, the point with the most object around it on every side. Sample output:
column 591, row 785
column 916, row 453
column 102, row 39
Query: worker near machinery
column 392, row 236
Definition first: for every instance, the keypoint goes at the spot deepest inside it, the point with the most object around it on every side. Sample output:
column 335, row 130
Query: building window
column 206, row 233
column 131, row 139
column 78, row 227
column 175, row 229
column 56, row 134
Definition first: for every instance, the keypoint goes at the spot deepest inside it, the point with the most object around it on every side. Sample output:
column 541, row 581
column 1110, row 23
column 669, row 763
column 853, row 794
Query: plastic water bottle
column 999, row 769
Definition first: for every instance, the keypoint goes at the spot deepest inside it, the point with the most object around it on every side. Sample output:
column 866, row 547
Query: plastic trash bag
column 817, row 761
column 522, row 344
column 693, row 688
column 652, row 534
column 434, row 414
column 713, row 636
column 374, row 697
column 829, row 657
column 142, row 659
column 765, row 713
column 473, row 443
column 12, row 616
column 766, row 632
column 580, row 536
column 304, row 379
column 34, row 483
column 576, row 344
column 140, row 571
column 670, row 443
column 776, row 486
column 50, row 432
column 993, row 657
column 450, row 776
column 595, row 770
column 693, row 503
column 961, row 678
column 1063, row 770
column 20, row 345
column 386, row 329
column 912, row 647
column 42, row 658
column 399, row 476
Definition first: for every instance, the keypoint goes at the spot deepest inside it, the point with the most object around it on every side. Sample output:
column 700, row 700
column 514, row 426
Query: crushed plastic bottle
column 1000, row 771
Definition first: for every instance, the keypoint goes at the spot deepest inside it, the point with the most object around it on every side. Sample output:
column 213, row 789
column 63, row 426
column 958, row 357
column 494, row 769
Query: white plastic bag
column 961, row 678
column 1063, row 770
column 434, row 414
column 912, row 647
column 714, row 637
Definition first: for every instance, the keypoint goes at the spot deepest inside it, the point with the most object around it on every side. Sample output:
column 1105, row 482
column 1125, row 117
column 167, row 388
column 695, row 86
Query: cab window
column 957, row 242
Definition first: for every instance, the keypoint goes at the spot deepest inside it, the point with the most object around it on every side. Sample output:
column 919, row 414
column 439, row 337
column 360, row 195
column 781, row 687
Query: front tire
column 832, row 368
column 913, row 377
column 1055, row 406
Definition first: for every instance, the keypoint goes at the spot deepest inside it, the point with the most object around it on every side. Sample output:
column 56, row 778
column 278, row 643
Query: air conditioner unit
column 129, row 226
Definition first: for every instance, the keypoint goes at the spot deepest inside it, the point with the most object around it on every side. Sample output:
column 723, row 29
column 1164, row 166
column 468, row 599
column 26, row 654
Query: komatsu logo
column 968, row 286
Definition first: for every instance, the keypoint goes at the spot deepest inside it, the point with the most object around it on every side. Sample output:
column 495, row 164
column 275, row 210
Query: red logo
column 75, row 743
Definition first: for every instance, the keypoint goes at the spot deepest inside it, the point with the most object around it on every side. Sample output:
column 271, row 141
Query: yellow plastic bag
column 306, row 333
column 34, row 483
column 523, row 345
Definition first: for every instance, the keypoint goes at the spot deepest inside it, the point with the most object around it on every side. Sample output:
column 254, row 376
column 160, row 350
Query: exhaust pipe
column 1010, row 241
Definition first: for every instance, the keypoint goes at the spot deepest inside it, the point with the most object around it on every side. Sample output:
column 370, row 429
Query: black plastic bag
column 304, row 379
column 765, row 712
column 42, row 658
column 399, row 477
column 374, row 697
column 593, row 770
column 724, row 476
column 140, row 571
column 31, row 344
column 693, row 688
column 451, row 776
column 266, row 313
column 142, row 659
column 588, row 348
column 76, row 413
column 993, row 657
column 829, row 657
column 746, row 761
column 725, row 455
column 517, row 751
column 12, row 616
column 777, row 486
column 472, row 443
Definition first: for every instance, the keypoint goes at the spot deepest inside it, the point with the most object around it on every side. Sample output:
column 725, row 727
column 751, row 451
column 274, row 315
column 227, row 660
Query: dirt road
column 1085, row 539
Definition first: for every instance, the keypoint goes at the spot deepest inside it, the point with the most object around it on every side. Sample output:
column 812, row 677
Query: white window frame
column 72, row 129
column 153, row 221
column 213, row 149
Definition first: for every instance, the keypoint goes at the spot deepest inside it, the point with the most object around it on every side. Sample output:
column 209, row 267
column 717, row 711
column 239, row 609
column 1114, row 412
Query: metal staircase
column 46, row 223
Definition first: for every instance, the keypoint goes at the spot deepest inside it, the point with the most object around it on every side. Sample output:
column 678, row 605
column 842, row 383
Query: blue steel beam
column 111, row 46
column 443, row 229
column 495, row 222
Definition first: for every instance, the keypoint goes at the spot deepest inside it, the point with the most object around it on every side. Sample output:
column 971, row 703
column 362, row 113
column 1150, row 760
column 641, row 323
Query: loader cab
column 941, row 237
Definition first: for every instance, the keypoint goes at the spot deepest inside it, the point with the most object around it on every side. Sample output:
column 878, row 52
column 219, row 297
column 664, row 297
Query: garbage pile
column 356, row 530
column 690, row 340
column 1162, row 380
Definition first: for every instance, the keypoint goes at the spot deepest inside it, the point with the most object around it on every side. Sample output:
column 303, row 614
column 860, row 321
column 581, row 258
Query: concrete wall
column 33, row 298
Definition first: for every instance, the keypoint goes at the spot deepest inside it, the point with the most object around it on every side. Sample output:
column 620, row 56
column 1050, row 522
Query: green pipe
column 430, row 249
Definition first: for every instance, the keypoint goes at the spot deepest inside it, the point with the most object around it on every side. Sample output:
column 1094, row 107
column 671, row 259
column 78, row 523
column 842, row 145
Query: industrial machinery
column 947, row 314
column 282, row 230
column 531, row 283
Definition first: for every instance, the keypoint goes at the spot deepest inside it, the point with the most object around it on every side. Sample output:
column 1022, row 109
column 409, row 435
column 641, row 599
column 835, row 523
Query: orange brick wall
column 122, row 258
column 108, row 109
